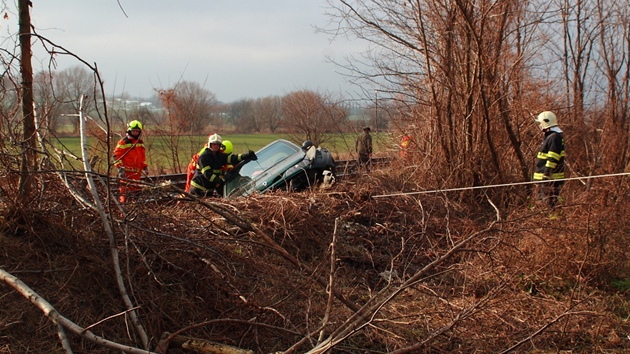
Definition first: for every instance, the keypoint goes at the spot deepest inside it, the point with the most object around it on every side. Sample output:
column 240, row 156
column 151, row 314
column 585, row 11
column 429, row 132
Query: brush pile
column 342, row 269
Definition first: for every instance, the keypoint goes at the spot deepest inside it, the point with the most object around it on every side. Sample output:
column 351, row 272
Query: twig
column 331, row 282
column 543, row 328
column 164, row 343
column 109, row 318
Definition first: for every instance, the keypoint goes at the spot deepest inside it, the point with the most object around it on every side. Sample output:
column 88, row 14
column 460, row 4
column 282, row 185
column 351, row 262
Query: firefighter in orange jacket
column 405, row 143
column 130, row 160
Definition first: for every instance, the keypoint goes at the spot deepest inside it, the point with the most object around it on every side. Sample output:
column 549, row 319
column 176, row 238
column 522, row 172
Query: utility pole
column 376, row 112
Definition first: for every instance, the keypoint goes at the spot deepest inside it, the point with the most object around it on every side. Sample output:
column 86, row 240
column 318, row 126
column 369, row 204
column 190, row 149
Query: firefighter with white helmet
column 549, row 164
column 226, row 148
column 209, row 174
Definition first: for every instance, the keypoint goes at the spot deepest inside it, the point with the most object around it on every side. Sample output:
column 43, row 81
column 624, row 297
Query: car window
column 274, row 160
column 269, row 157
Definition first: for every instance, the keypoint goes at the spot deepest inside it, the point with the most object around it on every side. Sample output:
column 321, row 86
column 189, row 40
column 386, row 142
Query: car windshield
column 272, row 163
column 268, row 157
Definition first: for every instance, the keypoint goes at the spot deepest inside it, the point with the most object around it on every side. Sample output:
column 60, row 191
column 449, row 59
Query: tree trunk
column 28, row 144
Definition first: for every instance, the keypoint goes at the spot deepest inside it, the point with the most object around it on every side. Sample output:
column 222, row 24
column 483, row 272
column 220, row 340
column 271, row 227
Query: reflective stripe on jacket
column 550, row 158
column 192, row 167
column 208, row 172
column 130, row 154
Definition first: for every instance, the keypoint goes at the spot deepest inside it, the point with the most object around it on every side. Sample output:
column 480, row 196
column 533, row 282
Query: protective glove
column 146, row 170
column 250, row 156
column 219, row 181
column 121, row 172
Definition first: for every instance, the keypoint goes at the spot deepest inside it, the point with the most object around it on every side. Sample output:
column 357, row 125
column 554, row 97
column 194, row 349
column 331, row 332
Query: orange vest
column 192, row 167
column 130, row 154
column 404, row 145
column 406, row 140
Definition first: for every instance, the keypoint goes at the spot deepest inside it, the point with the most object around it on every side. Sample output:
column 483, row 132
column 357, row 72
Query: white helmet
column 547, row 120
column 214, row 139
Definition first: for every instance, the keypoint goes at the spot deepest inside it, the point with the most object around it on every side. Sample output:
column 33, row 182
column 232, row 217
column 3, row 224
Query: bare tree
column 189, row 107
column 255, row 115
column 195, row 105
column 44, row 101
column 29, row 156
column 613, row 129
column 242, row 117
column 310, row 115
column 68, row 86
column 268, row 113
column 579, row 33
column 188, row 110
column 10, row 124
column 170, row 131
column 459, row 68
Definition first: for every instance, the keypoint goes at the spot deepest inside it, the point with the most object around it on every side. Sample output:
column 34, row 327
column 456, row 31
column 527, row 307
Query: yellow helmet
column 227, row 147
column 547, row 119
column 134, row 124
column 214, row 139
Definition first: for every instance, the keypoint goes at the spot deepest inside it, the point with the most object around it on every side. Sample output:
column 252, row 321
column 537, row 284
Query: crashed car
column 281, row 165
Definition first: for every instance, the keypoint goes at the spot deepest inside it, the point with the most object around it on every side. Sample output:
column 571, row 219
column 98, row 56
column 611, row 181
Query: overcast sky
column 234, row 48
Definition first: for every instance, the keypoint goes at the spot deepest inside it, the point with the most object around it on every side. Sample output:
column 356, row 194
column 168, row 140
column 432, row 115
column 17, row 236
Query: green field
column 167, row 154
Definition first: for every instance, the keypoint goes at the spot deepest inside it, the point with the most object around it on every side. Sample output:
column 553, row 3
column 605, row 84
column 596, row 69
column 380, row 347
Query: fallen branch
column 58, row 319
column 139, row 329
column 167, row 338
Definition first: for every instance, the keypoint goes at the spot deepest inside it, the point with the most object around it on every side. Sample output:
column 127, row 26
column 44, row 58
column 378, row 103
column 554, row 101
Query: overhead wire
column 497, row 185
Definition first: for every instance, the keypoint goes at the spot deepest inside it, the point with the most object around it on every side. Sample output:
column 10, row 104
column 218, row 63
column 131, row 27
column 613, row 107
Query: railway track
column 344, row 169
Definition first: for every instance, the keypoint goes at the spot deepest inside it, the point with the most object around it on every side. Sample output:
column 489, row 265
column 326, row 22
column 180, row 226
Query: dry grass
column 536, row 281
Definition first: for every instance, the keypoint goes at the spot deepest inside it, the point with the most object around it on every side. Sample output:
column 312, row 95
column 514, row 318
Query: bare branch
column 57, row 318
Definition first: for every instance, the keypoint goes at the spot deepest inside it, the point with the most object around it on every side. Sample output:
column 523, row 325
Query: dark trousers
column 549, row 192
column 364, row 161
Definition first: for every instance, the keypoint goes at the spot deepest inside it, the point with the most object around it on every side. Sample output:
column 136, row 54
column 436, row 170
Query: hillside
column 454, row 272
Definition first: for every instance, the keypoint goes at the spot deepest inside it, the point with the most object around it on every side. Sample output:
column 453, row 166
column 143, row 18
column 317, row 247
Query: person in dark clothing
column 549, row 163
column 363, row 146
column 209, row 175
column 226, row 147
